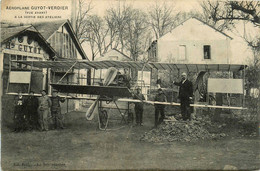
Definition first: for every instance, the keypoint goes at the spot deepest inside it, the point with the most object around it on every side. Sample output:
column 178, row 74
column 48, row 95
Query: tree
column 112, row 28
column 136, row 28
column 210, row 10
column 118, row 17
column 97, row 35
column 230, row 11
column 127, row 26
column 81, row 19
column 226, row 14
column 161, row 18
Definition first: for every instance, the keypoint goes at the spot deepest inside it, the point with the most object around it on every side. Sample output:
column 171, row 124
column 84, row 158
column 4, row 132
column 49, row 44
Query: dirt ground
column 83, row 146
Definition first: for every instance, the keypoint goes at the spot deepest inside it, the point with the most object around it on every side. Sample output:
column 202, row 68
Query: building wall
column 63, row 44
column 19, row 50
column 15, row 50
column 188, row 40
column 152, row 52
column 65, row 47
column 169, row 51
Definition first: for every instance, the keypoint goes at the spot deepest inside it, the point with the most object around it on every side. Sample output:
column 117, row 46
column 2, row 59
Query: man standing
column 43, row 110
column 31, row 104
column 139, row 107
column 127, row 78
column 56, row 110
column 159, row 108
column 185, row 95
column 19, row 117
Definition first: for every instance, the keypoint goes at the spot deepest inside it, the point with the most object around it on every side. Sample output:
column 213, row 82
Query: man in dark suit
column 185, row 95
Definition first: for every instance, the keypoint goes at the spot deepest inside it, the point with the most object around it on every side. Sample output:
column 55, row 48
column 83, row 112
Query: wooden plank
column 178, row 104
column 138, row 101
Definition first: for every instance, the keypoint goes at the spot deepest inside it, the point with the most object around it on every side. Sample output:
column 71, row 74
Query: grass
column 82, row 146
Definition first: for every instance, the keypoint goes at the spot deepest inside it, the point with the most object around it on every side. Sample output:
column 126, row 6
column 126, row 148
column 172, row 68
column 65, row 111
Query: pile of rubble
column 185, row 131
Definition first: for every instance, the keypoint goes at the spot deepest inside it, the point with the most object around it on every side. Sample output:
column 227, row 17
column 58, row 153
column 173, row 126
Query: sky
column 11, row 9
column 100, row 7
column 179, row 5
column 30, row 11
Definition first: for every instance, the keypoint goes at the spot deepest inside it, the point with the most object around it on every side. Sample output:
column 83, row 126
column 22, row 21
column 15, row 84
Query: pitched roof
column 7, row 32
column 10, row 32
column 203, row 23
column 213, row 27
column 122, row 53
column 47, row 29
column 105, row 56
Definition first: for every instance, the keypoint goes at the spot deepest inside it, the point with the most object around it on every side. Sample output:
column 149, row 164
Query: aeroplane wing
column 109, row 91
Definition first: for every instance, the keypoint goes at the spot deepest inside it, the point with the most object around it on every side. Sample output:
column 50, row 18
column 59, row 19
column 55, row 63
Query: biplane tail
column 109, row 78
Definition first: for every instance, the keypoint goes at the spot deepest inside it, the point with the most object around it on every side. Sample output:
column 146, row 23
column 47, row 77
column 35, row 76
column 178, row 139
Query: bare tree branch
column 161, row 18
column 230, row 11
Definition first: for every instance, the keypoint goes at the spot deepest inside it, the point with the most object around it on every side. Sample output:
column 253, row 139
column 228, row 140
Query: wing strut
column 67, row 71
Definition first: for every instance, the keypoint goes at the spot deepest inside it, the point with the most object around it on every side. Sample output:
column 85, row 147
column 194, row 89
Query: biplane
column 107, row 91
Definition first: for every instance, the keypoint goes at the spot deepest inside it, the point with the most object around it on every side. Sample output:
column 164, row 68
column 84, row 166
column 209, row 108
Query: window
column 182, row 52
column 13, row 57
column 19, row 57
column 206, row 52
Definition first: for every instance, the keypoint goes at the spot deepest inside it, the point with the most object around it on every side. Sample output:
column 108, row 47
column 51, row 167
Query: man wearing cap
column 19, row 116
column 185, row 95
column 159, row 108
column 56, row 110
column 43, row 110
column 139, row 107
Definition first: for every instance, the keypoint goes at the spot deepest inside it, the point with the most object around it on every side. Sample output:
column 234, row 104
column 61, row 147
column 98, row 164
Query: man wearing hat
column 56, row 110
column 185, row 95
column 159, row 108
column 139, row 107
column 19, row 116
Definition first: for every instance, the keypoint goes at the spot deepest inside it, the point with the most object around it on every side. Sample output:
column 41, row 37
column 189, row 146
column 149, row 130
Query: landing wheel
column 103, row 117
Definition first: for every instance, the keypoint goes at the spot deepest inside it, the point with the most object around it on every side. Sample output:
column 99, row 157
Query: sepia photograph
column 130, row 85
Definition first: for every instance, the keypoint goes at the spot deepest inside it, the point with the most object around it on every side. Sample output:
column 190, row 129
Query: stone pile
column 185, row 131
